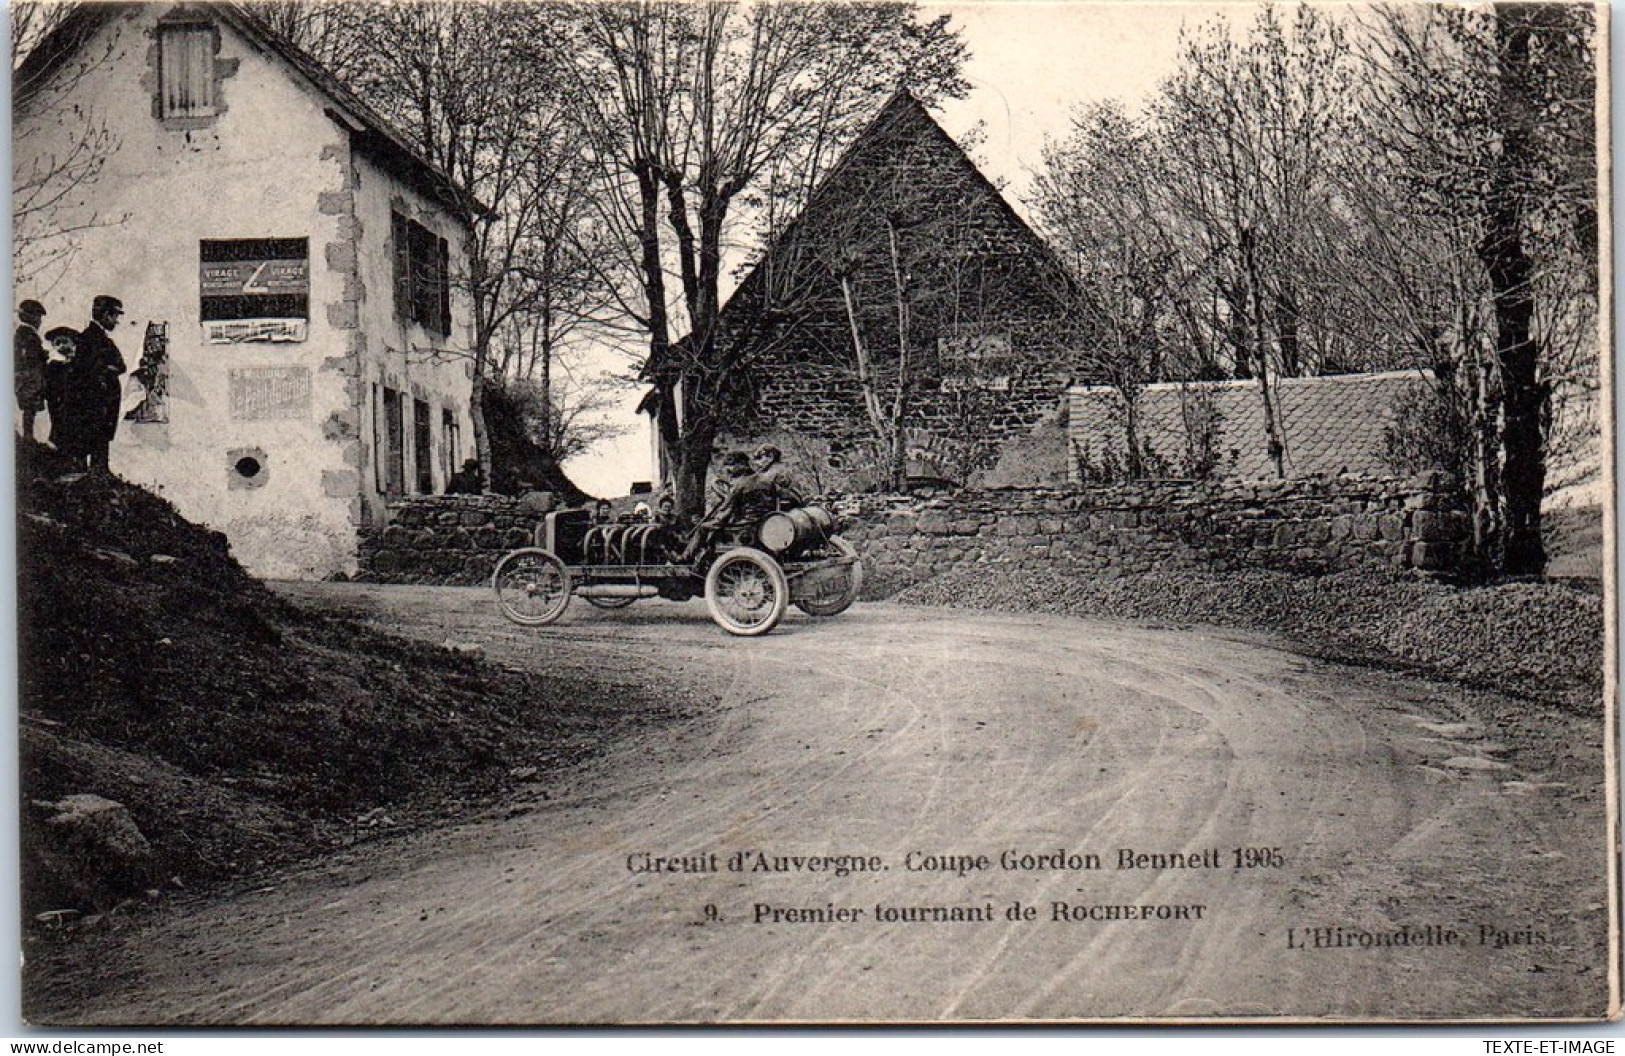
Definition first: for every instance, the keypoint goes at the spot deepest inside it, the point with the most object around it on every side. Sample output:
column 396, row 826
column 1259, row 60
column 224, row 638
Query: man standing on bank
column 28, row 360
column 103, row 391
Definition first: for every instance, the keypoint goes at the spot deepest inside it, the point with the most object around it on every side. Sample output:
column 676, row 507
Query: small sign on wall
column 237, row 331
column 269, row 393
column 263, row 277
column 971, row 382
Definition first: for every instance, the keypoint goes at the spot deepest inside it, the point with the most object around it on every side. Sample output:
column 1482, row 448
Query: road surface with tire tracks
column 908, row 814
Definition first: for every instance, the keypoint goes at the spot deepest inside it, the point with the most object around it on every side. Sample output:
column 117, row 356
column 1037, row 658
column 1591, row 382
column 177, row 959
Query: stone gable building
column 990, row 309
column 284, row 258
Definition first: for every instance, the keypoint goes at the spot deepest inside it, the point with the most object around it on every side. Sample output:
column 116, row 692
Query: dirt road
column 847, row 836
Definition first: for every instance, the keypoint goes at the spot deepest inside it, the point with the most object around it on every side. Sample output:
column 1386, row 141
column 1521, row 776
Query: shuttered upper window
column 422, row 275
column 186, row 81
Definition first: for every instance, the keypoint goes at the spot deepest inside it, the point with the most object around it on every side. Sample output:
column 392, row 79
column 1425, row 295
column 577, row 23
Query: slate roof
column 1330, row 425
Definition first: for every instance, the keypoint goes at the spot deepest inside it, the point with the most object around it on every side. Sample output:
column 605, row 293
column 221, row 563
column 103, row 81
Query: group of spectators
column 73, row 375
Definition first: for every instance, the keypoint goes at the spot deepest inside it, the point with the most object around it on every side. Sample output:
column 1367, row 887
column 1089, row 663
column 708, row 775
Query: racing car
column 749, row 573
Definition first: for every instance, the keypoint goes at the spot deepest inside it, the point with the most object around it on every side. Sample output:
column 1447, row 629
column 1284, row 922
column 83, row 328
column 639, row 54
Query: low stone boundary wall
column 1313, row 525
column 447, row 539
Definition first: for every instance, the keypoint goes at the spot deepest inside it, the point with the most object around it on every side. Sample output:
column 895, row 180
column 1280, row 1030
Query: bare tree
column 58, row 152
column 562, row 296
column 475, row 91
column 1100, row 197
column 31, row 22
column 703, row 117
column 1247, row 130
column 331, row 31
column 545, row 355
column 1488, row 147
column 566, row 417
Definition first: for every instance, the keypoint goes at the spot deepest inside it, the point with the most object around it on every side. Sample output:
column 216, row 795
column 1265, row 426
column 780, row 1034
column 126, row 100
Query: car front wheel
column 746, row 592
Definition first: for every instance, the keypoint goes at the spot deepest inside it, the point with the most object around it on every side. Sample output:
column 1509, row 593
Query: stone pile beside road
column 1539, row 640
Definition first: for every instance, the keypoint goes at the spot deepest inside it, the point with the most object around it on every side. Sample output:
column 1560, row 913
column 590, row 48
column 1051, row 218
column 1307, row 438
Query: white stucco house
column 284, row 253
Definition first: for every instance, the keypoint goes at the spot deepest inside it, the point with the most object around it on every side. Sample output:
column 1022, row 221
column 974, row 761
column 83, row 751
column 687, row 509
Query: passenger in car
column 732, row 492
column 735, row 467
column 772, row 480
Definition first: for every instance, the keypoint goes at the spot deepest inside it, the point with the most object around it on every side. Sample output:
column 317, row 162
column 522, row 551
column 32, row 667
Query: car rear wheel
column 746, row 592
column 831, row 591
column 533, row 587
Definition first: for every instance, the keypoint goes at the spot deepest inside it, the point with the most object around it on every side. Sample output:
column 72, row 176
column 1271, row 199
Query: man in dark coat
column 28, row 361
column 102, row 367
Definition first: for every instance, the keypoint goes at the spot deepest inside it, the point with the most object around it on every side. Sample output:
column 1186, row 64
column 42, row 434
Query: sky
column 1031, row 65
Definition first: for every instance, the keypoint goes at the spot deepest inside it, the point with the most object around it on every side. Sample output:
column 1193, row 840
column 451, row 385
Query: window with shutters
column 423, row 446
column 394, row 444
column 186, row 76
column 422, row 275
column 451, row 442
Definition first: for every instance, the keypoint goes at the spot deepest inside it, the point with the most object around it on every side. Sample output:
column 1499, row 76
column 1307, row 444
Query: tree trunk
column 1286, row 325
column 866, row 372
column 668, row 426
column 693, row 460
column 482, row 438
column 899, row 450
column 1142, row 364
column 1484, row 459
column 664, row 373
column 1129, row 393
column 1523, row 465
column 550, row 423
column 1238, row 327
column 1255, row 308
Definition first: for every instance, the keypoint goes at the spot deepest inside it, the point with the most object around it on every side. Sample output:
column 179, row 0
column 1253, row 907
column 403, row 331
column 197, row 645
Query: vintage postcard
column 719, row 513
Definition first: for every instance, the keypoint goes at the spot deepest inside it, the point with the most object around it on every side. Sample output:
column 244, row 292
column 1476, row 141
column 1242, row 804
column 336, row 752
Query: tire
column 608, row 603
column 746, row 592
column 533, row 587
column 836, row 593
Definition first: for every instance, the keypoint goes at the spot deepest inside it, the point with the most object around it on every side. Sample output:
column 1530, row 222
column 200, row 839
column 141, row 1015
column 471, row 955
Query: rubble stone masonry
column 448, row 539
column 1311, row 525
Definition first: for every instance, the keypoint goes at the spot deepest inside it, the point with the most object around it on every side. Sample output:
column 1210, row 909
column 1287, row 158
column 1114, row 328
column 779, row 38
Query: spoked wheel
column 746, row 592
column 609, row 603
column 831, row 591
column 533, row 587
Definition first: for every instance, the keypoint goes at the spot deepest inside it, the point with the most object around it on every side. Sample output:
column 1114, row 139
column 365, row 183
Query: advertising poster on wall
column 254, row 290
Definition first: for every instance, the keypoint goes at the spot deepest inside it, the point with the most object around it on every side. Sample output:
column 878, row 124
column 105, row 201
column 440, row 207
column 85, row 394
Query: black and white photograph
column 813, row 512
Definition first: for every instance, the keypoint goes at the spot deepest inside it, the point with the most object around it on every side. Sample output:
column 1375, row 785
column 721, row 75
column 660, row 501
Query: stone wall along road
column 1313, row 526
